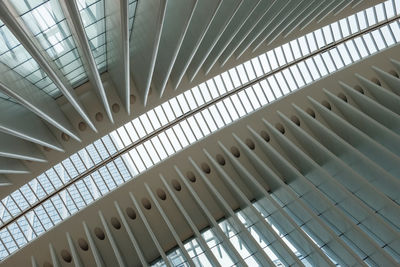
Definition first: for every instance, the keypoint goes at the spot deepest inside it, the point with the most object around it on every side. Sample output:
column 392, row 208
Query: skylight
column 47, row 23
column 16, row 57
column 92, row 14
column 168, row 128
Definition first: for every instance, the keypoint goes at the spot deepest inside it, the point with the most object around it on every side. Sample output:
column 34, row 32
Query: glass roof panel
column 213, row 105
column 92, row 14
column 16, row 57
column 47, row 22
column 131, row 14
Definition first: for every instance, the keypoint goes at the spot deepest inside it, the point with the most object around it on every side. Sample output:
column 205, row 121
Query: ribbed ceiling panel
column 311, row 179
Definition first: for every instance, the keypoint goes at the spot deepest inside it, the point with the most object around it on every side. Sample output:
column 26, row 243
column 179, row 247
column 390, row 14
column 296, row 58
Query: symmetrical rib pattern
column 48, row 48
column 94, row 171
column 309, row 180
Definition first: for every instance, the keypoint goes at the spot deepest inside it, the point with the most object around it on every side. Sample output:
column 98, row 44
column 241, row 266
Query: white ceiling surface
column 331, row 166
column 40, row 128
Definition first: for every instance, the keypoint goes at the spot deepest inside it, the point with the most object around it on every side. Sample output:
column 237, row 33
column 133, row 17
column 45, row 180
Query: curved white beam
column 71, row 12
column 4, row 181
column 35, row 100
column 144, row 43
column 242, row 15
column 118, row 48
column 12, row 166
column 13, row 147
column 176, row 23
column 24, row 36
column 224, row 16
column 258, row 14
column 26, row 125
column 203, row 16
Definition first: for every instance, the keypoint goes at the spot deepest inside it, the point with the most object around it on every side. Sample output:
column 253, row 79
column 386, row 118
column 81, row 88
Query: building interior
column 199, row 133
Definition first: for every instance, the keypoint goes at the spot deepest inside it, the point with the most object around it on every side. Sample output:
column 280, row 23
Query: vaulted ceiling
column 72, row 71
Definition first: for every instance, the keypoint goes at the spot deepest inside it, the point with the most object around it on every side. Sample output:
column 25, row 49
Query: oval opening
column 295, row 119
column 326, row 104
column 190, row 175
column 280, row 127
column 235, row 151
column 250, row 144
column 66, row 255
column 131, row 213
column 176, row 185
column 376, row 81
column 82, row 126
column 342, row 96
column 310, row 112
column 115, row 108
column 99, row 116
column 161, row 194
column 220, row 159
column 205, row 168
column 99, row 233
column 146, row 203
column 115, row 223
column 83, row 244
column 359, row 89
column 65, row 137
column 265, row 136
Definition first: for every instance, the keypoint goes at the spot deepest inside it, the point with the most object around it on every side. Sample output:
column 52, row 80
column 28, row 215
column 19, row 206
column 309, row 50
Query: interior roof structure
column 274, row 188
column 90, row 83
column 50, row 48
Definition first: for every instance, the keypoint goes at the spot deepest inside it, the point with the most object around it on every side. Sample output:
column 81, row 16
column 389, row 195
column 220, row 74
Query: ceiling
column 72, row 71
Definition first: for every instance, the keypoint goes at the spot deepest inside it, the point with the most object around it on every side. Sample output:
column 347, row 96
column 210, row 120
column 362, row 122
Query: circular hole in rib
column 295, row 119
column 115, row 223
column 65, row 137
column 115, row 108
column 47, row 149
column 235, row 151
column 326, row 104
column 250, row 144
column 132, row 99
column 161, row 194
column 265, row 136
column 99, row 116
column 205, row 167
column 342, row 96
column 82, row 126
column 190, row 175
column 99, row 233
column 310, row 112
column 376, row 81
column 394, row 73
column 220, row 159
column 176, row 185
column 359, row 89
column 83, row 244
column 280, row 127
column 146, row 203
column 131, row 213
column 66, row 255
column 47, row 264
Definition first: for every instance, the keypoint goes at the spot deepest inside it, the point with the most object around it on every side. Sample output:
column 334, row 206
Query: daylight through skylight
column 168, row 128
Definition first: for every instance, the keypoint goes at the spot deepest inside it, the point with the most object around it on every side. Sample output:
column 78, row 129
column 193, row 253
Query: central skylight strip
column 161, row 132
